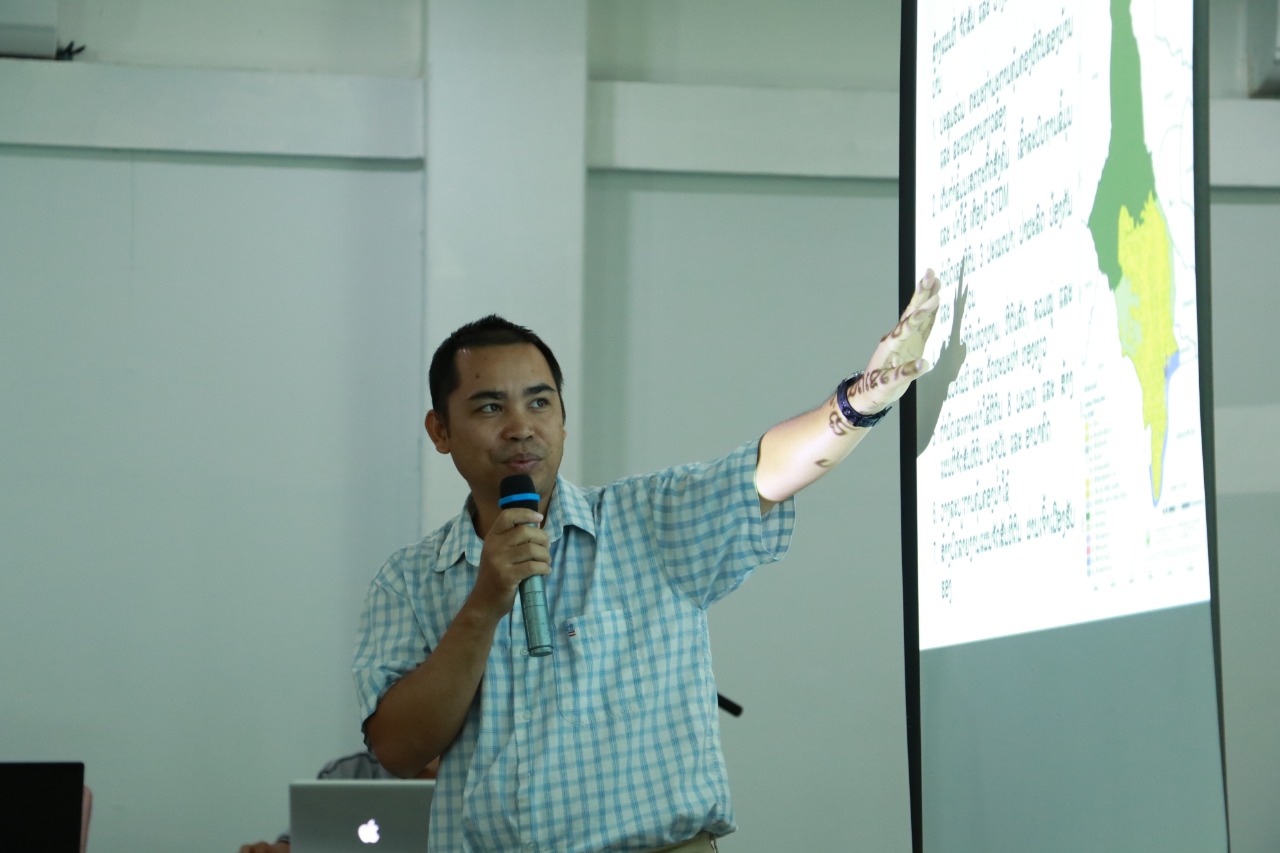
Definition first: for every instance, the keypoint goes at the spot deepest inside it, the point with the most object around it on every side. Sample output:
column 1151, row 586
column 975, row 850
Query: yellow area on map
column 1144, row 312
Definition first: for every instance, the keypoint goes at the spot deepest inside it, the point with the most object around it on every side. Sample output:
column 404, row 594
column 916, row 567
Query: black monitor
column 41, row 805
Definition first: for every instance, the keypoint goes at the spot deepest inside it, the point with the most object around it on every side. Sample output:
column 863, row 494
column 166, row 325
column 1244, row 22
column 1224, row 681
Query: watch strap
column 852, row 415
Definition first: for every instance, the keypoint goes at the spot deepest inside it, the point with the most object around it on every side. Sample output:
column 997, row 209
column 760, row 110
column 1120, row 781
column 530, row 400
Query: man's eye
column 489, row 408
column 540, row 403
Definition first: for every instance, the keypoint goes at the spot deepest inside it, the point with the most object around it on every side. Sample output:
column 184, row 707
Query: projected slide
column 1059, row 472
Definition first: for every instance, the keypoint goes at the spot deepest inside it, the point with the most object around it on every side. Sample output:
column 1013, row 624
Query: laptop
column 41, row 804
column 360, row 815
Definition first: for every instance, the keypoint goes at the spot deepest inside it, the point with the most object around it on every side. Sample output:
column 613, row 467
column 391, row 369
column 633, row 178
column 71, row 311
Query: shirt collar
column 569, row 508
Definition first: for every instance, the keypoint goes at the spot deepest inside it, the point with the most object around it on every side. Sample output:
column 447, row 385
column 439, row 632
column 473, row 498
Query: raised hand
column 897, row 360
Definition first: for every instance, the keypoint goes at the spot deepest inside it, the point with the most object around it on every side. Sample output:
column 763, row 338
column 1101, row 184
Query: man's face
column 505, row 417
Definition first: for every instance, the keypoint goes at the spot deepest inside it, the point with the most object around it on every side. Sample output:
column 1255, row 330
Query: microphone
column 518, row 491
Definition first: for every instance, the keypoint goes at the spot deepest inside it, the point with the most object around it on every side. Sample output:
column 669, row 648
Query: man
column 612, row 741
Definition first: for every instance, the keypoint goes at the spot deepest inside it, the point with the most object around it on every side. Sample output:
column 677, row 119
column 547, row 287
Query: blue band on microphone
column 509, row 499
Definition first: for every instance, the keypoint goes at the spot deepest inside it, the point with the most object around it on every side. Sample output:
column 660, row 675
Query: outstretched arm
column 798, row 451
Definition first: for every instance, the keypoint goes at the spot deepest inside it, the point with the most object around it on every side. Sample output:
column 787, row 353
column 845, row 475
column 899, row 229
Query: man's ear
column 438, row 432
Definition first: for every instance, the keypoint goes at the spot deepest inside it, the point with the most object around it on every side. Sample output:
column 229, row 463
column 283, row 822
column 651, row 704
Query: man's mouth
column 523, row 462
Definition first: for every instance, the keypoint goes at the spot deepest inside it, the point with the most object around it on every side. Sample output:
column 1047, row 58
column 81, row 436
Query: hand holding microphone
column 518, row 491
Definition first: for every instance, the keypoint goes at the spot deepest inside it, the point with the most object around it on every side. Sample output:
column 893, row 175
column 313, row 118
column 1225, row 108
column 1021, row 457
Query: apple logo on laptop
column 368, row 832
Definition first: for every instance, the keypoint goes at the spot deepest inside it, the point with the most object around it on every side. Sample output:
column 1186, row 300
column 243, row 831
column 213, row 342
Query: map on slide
column 1132, row 239
column 1059, row 470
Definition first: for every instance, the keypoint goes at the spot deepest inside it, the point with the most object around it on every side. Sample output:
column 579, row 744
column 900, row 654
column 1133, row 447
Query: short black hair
column 490, row 331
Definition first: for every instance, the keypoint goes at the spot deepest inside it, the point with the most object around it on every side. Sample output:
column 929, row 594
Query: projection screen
column 1061, row 630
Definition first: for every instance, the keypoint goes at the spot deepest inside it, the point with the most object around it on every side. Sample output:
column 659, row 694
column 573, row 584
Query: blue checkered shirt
column 613, row 741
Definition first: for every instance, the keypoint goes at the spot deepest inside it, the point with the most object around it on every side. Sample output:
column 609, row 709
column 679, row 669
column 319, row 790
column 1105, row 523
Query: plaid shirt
column 612, row 741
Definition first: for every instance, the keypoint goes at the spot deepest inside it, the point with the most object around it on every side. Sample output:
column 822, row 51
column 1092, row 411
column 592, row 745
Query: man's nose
column 518, row 426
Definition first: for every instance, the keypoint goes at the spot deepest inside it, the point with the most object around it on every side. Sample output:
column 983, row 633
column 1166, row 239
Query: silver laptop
column 360, row 815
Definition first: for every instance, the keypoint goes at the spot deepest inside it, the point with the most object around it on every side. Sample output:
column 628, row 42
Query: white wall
column 214, row 363
column 210, row 371
column 380, row 37
column 814, row 44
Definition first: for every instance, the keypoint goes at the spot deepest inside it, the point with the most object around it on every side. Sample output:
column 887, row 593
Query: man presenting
column 612, row 741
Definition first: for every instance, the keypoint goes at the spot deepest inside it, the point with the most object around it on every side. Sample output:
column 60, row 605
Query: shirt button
column 531, row 847
column 526, row 716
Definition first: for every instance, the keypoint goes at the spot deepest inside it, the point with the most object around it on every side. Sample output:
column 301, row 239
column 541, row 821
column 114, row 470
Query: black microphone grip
column 518, row 491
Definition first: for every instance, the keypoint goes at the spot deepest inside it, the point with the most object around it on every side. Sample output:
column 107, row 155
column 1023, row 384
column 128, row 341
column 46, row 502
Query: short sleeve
column 705, row 524
column 389, row 643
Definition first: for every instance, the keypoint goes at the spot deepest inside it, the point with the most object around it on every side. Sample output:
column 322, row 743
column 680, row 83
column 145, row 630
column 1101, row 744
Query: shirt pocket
column 601, row 670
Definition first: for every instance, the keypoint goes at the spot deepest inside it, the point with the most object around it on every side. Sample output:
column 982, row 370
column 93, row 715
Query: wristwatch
column 852, row 415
